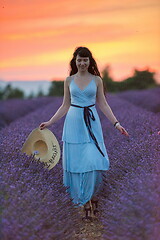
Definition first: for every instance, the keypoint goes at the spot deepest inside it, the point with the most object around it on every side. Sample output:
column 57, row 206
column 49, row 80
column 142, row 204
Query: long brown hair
column 84, row 52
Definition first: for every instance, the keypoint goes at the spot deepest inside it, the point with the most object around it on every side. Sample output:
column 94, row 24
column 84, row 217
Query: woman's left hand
column 122, row 130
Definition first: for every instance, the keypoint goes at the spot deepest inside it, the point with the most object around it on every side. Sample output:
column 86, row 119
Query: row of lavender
column 148, row 98
column 13, row 109
column 131, row 193
column 35, row 204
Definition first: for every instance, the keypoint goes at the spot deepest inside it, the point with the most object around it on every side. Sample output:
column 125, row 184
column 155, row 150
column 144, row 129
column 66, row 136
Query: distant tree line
column 9, row 92
column 140, row 80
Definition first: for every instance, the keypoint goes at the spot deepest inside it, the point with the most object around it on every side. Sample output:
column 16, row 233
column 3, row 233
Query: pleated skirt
column 83, row 169
column 83, row 186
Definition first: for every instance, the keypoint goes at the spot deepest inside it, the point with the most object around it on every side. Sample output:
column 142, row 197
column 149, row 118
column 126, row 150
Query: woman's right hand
column 44, row 125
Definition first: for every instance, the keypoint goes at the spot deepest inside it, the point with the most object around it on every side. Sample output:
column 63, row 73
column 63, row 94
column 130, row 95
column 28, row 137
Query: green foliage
column 9, row 92
column 56, row 88
column 108, row 83
column 31, row 95
column 139, row 80
column 1, row 94
column 40, row 93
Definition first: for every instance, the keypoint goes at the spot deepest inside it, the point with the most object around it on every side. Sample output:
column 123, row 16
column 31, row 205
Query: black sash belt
column 87, row 115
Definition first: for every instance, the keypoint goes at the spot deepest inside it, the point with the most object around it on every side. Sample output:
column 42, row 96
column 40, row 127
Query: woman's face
column 82, row 63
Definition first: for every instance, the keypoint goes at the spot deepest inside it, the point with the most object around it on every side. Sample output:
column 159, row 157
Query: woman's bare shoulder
column 69, row 79
column 98, row 80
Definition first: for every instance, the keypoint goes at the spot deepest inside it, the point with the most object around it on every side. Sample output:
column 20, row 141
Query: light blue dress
column 83, row 164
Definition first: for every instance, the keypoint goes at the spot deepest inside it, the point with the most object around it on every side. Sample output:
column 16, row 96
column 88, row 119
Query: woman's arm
column 102, row 103
column 105, row 108
column 58, row 115
column 63, row 109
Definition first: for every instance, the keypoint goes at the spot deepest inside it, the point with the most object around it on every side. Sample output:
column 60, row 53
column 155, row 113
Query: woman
column 84, row 154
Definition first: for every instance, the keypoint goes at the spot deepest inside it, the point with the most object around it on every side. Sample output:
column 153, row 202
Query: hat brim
column 43, row 145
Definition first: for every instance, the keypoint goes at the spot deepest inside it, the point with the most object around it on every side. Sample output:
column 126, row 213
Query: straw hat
column 44, row 146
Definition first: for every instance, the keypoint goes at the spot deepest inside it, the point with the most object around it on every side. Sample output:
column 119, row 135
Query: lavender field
column 35, row 204
column 147, row 98
column 12, row 109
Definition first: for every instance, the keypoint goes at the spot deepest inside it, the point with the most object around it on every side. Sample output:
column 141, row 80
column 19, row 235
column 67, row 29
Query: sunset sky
column 38, row 37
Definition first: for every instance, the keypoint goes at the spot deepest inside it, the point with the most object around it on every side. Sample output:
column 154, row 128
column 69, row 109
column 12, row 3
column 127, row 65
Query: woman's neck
column 83, row 74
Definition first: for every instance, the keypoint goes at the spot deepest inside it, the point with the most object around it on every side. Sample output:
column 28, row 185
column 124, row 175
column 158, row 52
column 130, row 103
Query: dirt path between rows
column 89, row 230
